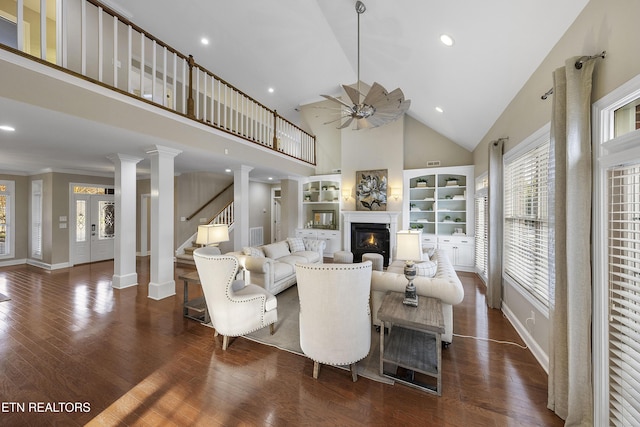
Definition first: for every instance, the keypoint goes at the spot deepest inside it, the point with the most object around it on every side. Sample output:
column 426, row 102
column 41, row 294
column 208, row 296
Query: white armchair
column 335, row 320
column 235, row 308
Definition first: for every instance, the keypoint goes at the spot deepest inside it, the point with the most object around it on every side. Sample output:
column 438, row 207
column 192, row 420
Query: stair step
column 186, row 259
column 189, row 250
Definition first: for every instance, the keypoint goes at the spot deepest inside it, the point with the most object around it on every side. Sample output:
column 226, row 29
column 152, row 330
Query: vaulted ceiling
column 302, row 48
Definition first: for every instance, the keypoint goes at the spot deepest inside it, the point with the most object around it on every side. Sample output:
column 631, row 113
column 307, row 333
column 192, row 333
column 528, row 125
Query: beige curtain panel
column 570, row 383
column 495, row 224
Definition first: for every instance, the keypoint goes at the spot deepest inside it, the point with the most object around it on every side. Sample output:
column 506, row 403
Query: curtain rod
column 578, row 66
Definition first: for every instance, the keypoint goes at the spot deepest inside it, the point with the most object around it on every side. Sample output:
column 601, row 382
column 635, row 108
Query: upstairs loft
column 94, row 46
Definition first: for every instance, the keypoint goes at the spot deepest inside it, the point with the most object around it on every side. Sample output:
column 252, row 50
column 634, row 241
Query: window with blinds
column 526, row 231
column 624, row 294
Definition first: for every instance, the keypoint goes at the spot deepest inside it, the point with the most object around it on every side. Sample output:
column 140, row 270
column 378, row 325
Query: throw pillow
column 276, row 250
column 253, row 251
column 428, row 251
column 296, row 244
column 314, row 245
column 426, row 268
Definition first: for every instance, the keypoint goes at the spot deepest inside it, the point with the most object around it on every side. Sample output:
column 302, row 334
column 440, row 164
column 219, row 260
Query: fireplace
column 370, row 238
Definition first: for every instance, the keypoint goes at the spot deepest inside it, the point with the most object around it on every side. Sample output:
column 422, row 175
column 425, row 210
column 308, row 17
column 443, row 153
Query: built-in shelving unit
column 320, row 211
column 439, row 201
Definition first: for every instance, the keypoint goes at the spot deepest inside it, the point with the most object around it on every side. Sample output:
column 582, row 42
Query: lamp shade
column 409, row 245
column 212, row 233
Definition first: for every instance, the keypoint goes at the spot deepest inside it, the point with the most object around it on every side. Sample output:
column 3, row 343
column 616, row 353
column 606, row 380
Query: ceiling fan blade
column 376, row 94
column 334, row 120
column 346, row 124
column 353, row 94
column 404, row 105
column 334, row 99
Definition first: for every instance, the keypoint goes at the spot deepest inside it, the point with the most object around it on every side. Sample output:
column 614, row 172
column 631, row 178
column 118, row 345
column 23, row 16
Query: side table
column 197, row 305
column 412, row 351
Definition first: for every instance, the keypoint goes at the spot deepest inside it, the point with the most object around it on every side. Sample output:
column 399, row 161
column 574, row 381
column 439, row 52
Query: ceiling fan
column 377, row 107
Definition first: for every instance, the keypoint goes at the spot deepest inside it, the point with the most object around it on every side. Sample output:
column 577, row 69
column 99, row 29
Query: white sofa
column 445, row 286
column 272, row 266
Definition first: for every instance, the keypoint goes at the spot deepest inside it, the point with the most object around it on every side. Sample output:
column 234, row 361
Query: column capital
column 243, row 168
column 160, row 149
column 122, row 158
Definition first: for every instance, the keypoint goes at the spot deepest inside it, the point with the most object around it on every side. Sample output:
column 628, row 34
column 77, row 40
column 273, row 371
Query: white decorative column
column 124, row 265
column 162, row 283
column 241, row 207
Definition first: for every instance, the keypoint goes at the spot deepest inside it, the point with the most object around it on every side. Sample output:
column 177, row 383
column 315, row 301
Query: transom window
column 83, row 189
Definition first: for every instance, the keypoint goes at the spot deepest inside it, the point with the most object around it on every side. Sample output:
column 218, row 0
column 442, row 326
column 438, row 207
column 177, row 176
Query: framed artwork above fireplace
column 371, row 190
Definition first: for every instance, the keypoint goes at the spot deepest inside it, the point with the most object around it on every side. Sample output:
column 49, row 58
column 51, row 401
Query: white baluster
column 83, row 37
column 154, row 66
column 115, row 51
column 142, row 64
column 164, row 76
column 43, row 29
column 100, row 44
column 129, row 58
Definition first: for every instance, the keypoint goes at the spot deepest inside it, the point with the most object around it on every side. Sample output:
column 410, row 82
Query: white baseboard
column 536, row 350
column 13, row 262
column 46, row 266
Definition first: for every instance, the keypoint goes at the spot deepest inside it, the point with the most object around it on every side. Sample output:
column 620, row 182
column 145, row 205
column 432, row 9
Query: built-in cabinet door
column 461, row 251
column 94, row 228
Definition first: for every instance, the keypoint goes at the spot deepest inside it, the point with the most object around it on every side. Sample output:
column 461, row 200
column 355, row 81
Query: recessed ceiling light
column 7, row 128
column 439, row 110
column 204, row 41
column 446, row 39
column 270, row 90
column 227, row 170
column 270, row 178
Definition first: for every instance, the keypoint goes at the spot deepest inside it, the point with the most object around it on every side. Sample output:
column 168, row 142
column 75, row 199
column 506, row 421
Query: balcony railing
column 101, row 45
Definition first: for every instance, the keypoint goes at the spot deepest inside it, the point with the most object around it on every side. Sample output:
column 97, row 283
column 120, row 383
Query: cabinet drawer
column 312, row 234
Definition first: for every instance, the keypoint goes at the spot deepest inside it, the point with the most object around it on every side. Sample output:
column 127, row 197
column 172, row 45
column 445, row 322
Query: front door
column 94, row 227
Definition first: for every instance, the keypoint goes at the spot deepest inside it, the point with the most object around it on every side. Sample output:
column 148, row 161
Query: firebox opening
column 370, row 238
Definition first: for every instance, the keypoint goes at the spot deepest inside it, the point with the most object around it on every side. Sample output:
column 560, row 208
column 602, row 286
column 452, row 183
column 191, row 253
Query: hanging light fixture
column 377, row 107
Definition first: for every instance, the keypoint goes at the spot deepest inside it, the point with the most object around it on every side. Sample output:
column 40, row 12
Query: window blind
column 481, row 206
column 624, row 295
column 526, row 232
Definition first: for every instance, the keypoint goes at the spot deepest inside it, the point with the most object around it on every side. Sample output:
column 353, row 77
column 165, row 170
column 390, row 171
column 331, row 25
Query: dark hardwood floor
column 74, row 351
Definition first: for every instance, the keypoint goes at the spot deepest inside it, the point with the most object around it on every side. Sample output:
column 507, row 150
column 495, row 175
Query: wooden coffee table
column 411, row 353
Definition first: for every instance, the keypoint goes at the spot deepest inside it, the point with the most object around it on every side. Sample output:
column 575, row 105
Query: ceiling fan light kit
column 377, row 107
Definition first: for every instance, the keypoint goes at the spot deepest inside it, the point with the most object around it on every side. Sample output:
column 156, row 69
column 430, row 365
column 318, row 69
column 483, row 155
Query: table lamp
column 212, row 234
column 409, row 249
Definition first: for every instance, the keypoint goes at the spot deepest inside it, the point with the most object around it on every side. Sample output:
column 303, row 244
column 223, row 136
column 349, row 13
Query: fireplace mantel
column 377, row 217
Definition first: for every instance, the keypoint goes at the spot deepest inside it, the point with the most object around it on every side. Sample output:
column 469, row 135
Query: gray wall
column 603, row 25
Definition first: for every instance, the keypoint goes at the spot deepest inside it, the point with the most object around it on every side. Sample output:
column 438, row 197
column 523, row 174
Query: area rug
column 287, row 336
column 3, row 297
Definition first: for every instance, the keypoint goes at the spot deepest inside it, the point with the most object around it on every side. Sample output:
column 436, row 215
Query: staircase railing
column 204, row 205
column 224, row 216
column 99, row 44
